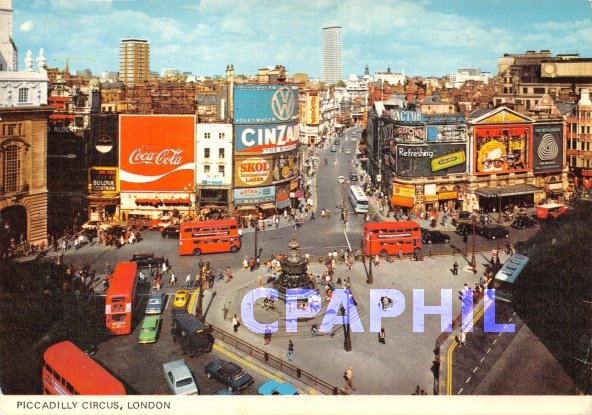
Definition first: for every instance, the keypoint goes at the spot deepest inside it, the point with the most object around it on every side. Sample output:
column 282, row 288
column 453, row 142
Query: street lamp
column 370, row 279
column 199, row 309
column 499, row 196
column 256, row 232
column 347, row 345
column 188, row 189
column 473, row 260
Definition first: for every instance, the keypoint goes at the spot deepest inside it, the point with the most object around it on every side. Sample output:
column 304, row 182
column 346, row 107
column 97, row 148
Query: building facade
column 134, row 61
column 579, row 142
column 332, row 68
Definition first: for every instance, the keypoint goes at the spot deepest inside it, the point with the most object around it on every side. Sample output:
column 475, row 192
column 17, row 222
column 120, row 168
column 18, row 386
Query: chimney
column 420, row 94
column 409, row 95
column 584, row 97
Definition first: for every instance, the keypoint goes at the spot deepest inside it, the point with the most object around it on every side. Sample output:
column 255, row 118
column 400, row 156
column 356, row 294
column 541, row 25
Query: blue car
column 229, row 374
column 273, row 387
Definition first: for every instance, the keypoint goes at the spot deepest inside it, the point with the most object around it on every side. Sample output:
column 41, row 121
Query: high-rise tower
column 134, row 61
column 331, row 71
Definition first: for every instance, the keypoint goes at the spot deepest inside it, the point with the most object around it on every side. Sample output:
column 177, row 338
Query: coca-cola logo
column 164, row 157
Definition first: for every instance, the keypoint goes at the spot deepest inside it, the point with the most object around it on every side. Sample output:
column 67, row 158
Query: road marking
column 488, row 350
column 514, row 313
column 499, row 334
column 244, row 361
column 482, row 359
column 460, row 391
column 495, row 341
column 468, row 379
column 347, row 239
column 476, row 368
column 510, row 319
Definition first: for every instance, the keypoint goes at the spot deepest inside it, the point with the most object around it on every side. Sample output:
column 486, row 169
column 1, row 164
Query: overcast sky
column 421, row 37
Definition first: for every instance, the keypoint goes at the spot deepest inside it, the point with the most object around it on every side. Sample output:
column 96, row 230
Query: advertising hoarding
column 264, row 170
column 409, row 133
column 502, row 148
column 266, row 139
column 312, row 108
column 547, row 148
column 404, row 190
column 265, row 103
column 104, row 136
column 156, row 152
column 446, row 133
column 254, row 195
column 430, row 160
column 102, row 179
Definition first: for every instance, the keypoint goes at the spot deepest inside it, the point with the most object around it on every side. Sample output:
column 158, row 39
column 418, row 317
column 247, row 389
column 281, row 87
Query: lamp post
column 473, row 224
column 199, row 308
column 347, row 345
column 370, row 279
column 499, row 196
column 188, row 189
column 256, row 232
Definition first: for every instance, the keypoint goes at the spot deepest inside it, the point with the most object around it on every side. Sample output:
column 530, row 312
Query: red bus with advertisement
column 121, row 298
column 68, row 371
column 388, row 238
column 205, row 237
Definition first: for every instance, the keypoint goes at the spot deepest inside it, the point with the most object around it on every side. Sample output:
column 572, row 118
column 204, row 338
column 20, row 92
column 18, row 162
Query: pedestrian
column 312, row 217
column 251, row 264
column 400, row 254
column 228, row 274
column 455, row 268
column 381, row 336
column 188, row 281
column 267, row 335
column 245, row 263
column 172, row 280
column 462, row 338
column 314, row 331
column 164, row 268
column 235, row 323
column 349, row 377
column 290, row 351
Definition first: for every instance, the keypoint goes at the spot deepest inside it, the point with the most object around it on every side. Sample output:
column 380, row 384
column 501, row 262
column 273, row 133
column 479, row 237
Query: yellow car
column 181, row 298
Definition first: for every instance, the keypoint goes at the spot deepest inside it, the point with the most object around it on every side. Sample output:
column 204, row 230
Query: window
column 221, row 153
column 206, row 153
column 539, row 90
column 206, row 168
column 221, row 170
column 525, row 90
column 221, row 136
column 207, row 135
column 11, row 168
column 23, row 95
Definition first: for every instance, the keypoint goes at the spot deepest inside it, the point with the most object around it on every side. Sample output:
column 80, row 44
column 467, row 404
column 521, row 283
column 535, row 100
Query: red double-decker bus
column 68, row 371
column 121, row 298
column 388, row 238
column 196, row 238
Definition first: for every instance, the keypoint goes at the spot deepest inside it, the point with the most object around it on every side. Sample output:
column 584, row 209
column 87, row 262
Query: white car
column 179, row 378
column 347, row 151
column 91, row 224
column 341, row 179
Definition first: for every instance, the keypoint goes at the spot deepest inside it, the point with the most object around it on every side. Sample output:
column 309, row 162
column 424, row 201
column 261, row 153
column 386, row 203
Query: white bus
column 358, row 199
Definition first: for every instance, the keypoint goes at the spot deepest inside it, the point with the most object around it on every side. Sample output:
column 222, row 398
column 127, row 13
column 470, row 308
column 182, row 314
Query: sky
column 419, row 37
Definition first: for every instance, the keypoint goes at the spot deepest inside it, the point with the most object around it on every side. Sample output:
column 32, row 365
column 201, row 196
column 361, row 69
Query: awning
column 244, row 208
column 402, row 201
column 518, row 189
column 268, row 206
column 556, row 192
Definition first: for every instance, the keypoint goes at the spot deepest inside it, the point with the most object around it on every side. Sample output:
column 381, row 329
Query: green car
column 149, row 330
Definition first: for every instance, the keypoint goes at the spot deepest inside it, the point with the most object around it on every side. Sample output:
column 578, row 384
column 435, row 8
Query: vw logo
column 283, row 104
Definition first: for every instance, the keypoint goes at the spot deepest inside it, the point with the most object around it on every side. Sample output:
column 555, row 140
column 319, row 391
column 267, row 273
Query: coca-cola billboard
column 156, row 152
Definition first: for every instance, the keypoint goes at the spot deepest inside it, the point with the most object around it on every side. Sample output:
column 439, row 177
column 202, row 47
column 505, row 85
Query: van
column 193, row 336
column 333, row 148
column 551, row 211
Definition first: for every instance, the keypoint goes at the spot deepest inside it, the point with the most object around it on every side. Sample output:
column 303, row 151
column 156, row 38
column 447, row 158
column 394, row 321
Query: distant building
column 579, row 134
column 84, row 73
column 134, row 61
column 331, row 70
column 170, row 73
column 456, row 80
column 392, row 78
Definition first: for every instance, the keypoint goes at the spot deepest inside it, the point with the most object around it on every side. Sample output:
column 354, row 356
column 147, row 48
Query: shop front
column 212, row 203
column 494, row 199
column 254, row 204
column 156, row 205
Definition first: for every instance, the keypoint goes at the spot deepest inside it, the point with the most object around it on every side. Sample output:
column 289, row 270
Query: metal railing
column 275, row 362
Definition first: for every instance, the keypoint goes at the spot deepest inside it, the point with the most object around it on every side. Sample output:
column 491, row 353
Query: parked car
column 92, row 225
column 193, row 336
column 494, row 232
column 181, row 298
column 333, row 148
column 163, row 222
column 341, row 179
column 171, row 231
column 145, row 259
column 347, row 151
column 467, row 229
column 336, row 142
column 149, row 330
column 155, row 303
column 273, row 387
column 116, row 230
column 353, row 176
column 524, row 221
column 179, row 378
column 229, row 374
column 434, row 237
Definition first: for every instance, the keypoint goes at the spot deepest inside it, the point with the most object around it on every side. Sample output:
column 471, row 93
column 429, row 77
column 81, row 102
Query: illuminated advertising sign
column 264, row 170
column 547, row 148
column 409, row 133
column 312, row 108
column 430, row 160
column 265, row 104
column 405, row 190
column 502, row 148
column 254, row 195
column 103, row 179
column 156, row 152
column 266, row 139
column 446, row 133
